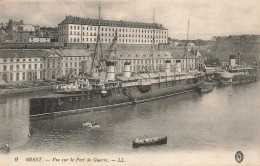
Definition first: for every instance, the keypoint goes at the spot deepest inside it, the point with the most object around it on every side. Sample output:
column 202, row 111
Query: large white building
column 21, row 65
column 85, row 30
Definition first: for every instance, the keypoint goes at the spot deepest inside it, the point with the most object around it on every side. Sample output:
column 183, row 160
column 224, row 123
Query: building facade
column 245, row 47
column 21, row 65
column 85, row 30
column 49, row 64
column 33, row 39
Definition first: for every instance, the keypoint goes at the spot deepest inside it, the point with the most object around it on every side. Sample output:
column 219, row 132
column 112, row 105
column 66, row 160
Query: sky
column 208, row 18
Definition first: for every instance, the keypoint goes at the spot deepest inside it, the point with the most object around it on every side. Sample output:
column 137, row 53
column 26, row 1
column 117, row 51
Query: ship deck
column 55, row 95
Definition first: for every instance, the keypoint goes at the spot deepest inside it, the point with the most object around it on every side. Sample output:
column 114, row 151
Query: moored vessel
column 149, row 141
column 116, row 91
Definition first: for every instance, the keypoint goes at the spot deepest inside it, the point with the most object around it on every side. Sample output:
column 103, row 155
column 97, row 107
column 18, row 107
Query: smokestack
column 232, row 60
column 178, row 66
column 167, row 68
column 127, row 71
column 110, row 75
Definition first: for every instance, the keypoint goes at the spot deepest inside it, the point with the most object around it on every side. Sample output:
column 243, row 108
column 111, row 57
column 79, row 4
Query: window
column 11, row 60
column 70, row 27
column 23, row 66
column 75, row 64
column 17, row 76
column 11, row 77
column 17, row 60
column 30, row 66
column 40, row 74
column 35, row 66
column 23, row 75
column 5, row 60
column 11, row 67
column 17, row 67
column 30, row 60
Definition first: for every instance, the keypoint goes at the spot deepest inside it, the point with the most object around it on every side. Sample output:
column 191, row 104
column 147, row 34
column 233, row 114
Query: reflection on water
column 227, row 118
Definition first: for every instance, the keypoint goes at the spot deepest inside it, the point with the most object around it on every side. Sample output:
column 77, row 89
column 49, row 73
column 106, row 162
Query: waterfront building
column 246, row 47
column 63, row 62
column 199, row 62
column 50, row 64
column 33, row 39
column 21, row 65
column 85, row 30
column 141, row 61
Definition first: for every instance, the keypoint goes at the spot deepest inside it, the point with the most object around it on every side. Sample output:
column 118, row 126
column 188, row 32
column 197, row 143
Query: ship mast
column 152, row 46
column 188, row 41
column 97, row 64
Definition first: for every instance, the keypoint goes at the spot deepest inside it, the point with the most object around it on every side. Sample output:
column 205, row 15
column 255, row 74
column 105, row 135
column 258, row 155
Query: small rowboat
column 5, row 149
column 149, row 141
column 91, row 125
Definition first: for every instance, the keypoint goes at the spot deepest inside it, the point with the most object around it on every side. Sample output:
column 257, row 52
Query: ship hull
column 116, row 97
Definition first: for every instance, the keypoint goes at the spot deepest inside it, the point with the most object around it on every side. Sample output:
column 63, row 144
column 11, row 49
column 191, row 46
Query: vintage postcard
column 131, row 82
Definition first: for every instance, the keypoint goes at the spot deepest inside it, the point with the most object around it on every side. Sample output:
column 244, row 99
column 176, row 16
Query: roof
column 21, row 53
column 70, row 52
column 142, row 54
column 222, row 37
column 235, row 37
column 180, row 53
column 113, row 23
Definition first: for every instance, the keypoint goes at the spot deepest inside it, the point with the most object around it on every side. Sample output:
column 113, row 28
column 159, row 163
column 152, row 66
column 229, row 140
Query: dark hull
column 116, row 97
column 244, row 79
column 158, row 142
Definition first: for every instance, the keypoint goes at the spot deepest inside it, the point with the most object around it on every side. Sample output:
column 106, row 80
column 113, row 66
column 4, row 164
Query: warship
column 104, row 89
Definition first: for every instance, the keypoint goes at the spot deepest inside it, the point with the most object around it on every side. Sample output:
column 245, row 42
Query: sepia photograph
column 129, row 82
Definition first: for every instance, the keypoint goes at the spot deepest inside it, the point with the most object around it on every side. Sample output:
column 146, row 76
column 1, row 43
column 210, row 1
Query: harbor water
column 228, row 118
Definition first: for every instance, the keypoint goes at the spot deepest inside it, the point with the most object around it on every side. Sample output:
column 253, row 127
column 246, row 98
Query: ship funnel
column 127, row 70
column 110, row 75
column 167, row 68
column 232, row 60
column 178, row 66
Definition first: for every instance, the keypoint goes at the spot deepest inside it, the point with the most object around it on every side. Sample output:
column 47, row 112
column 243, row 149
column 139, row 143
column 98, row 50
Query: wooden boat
column 149, row 141
column 91, row 125
column 5, row 149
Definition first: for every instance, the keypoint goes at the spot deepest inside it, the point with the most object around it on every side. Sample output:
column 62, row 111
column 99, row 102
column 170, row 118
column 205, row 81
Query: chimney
column 110, row 75
column 232, row 60
column 178, row 66
column 167, row 68
column 127, row 71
